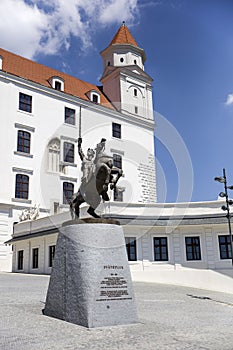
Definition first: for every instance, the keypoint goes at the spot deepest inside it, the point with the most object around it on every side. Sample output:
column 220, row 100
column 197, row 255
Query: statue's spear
column 80, row 117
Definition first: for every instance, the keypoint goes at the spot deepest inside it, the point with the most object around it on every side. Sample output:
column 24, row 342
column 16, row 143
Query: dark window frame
column 21, row 186
column 131, row 248
column 23, row 141
column 68, row 191
column 57, row 85
column 160, row 246
column 117, row 195
column 224, row 242
column 95, row 98
column 70, row 116
column 20, row 254
column 25, row 102
column 52, row 249
column 68, row 152
column 193, row 248
column 35, row 258
column 117, row 160
column 116, row 130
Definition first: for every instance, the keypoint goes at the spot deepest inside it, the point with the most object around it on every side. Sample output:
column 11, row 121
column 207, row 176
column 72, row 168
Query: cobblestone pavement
column 171, row 317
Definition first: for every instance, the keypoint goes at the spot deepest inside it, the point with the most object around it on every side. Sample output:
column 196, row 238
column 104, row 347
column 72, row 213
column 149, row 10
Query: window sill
column 117, row 138
column 25, row 112
column 71, row 125
column 21, row 200
column 68, row 164
column 28, row 155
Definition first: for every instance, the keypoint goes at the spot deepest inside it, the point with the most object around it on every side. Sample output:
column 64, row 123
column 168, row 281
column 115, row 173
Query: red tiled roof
column 123, row 36
column 41, row 74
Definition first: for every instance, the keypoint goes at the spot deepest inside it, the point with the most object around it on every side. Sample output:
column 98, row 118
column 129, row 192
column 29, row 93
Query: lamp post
column 223, row 179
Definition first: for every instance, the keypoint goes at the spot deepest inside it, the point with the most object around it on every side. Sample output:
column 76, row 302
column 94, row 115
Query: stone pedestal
column 90, row 284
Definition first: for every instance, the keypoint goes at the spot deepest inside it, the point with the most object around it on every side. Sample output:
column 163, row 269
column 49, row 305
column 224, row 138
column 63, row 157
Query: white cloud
column 29, row 27
column 229, row 100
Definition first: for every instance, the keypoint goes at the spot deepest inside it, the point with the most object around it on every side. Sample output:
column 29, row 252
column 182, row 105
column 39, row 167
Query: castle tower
column 124, row 80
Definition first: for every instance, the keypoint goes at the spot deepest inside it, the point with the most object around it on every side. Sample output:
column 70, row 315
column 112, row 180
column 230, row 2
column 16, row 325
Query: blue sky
column 189, row 48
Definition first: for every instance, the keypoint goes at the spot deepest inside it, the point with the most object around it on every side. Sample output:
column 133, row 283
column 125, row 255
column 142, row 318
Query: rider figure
column 88, row 166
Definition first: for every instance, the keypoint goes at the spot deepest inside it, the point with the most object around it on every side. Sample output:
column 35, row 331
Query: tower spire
column 123, row 36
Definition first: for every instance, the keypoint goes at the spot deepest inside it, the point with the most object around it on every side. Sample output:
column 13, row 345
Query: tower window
column 23, row 142
column 122, row 59
column 135, row 61
column 25, row 102
column 135, row 92
column 68, row 191
column 21, row 186
column 108, row 63
column 68, row 152
column 116, row 130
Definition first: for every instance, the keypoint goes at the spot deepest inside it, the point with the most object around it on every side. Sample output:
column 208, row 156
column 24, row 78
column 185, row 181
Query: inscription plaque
column 114, row 287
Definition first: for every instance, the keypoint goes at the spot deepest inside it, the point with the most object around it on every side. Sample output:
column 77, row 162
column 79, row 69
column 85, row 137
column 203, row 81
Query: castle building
column 43, row 112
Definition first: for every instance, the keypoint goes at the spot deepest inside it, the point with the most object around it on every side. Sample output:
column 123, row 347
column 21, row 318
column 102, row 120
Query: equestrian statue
column 99, row 174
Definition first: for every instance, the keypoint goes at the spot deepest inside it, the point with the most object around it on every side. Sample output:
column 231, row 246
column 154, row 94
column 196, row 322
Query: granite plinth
column 90, row 284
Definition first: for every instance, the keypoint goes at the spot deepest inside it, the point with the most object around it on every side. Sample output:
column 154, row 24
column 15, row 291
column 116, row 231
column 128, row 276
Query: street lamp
column 223, row 179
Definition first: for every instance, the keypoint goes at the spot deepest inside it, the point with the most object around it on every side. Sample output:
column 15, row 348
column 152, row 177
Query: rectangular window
column 68, row 191
column 57, row 85
column 68, row 152
column 25, row 102
column 51, row 255
column 136, row 110
column 118, row 195
column 160, row 249
column 131, row 248
column 117, row 161
column 35, row 258
column 193, row 248
column 20, row 260
column 21, row 186
column 225, row 246
column 116, row 130
column 69, row 116
column 135, row 92
column 23, row 141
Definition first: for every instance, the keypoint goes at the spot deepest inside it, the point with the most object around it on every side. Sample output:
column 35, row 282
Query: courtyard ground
column 170, row 317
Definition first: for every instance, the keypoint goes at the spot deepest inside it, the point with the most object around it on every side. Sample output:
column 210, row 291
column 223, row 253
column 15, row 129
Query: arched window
column 68, row 191
column 54, row 155
column 21, row 186
column 23, row 141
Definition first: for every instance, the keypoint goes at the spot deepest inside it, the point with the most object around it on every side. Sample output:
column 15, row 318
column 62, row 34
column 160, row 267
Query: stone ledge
column 91, row 221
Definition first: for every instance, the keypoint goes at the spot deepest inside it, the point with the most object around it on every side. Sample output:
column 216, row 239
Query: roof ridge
column 39, row 73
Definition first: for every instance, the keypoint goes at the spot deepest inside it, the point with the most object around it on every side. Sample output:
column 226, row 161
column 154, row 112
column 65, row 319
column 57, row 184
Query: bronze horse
column 105, row 175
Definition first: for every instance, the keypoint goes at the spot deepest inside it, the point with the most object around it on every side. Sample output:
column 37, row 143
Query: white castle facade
column 43, row 112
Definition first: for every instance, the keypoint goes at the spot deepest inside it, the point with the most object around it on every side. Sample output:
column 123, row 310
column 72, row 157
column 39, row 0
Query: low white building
column 184, row 244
